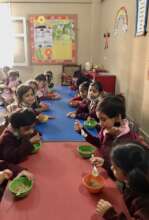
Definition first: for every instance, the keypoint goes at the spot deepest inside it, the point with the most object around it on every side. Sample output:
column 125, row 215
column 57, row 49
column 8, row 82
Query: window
column 6, row 40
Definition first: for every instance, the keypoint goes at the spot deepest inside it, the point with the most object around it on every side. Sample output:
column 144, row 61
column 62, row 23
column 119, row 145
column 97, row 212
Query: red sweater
column 106, row 142
column 14, row 149
column 138, row 206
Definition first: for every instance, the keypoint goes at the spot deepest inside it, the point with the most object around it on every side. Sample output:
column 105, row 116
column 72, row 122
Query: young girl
column 13, row 80
column 114, row 127
column 16, row 141
column 87, row 108
column 37, row 106
column 83, row 91
column 49, row 76
column 130, row 164
column 43, row 90
column 9, row 171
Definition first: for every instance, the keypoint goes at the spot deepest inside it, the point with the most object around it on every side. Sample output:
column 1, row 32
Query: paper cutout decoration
column 106, row 37
column 121, row 21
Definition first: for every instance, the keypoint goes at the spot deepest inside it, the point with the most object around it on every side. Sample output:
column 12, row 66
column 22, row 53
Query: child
column 7, row 95
column 114, row 127
column 25, row 98
column 5, row 71
column 43, row 91
column 83, row 91
column 87, row 108
column 37, row 106
column 49, row 76
column 16, row 141
column 9, row 171
column 13, row 80
column 130, row 164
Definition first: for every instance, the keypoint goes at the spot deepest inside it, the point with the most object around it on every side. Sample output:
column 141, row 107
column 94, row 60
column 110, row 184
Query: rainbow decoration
column 121, row 21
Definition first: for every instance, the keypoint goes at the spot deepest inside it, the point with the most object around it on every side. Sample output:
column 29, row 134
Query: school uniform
column 15, row 170
column 87, row 108
column 14, row 148
column 105, row 141
column 138, row 207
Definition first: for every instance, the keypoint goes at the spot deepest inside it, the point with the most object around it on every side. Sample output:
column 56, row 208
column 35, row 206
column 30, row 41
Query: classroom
column 74, row 121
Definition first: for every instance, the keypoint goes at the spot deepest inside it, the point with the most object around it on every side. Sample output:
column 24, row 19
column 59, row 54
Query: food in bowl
column 93, row 184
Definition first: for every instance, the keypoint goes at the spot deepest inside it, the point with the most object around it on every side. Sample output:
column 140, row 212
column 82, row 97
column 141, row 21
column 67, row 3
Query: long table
column 58, row 193
column 60, row 128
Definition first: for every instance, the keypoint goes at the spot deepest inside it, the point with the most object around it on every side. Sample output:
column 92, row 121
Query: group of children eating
column 125, row 154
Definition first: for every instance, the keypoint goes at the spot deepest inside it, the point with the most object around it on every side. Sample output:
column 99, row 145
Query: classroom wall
column 82, row 8
column 127, row 57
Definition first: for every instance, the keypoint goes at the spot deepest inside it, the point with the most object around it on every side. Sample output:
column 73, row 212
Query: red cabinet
column 107, row 80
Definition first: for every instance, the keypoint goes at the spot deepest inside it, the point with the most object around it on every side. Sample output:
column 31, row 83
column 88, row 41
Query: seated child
column 49, row 76
column 114, row 128
column 7, row 95
column 26, row 99
column 37, row 106
column 16, row 141
column 43, row 90
column 129, row 165
column 13, row 80
column 87, row 108
column 9, row 171
column 83, row 91
column 5, row 71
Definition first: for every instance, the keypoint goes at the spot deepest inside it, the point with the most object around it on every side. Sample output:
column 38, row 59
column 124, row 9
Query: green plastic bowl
column 36, row 148
column 86, row 151
column 20, row 186
column 90, row 124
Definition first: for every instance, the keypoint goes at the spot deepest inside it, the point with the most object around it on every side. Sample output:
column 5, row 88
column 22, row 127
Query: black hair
column 32, row 81
column 21, row 118
column 21, row 90
column 40, row 77
column 13, row 73
column 113, row 106
column 77, row 74
column 97, row 85
column 82, row 79
column 133, row 159
column 84, row 86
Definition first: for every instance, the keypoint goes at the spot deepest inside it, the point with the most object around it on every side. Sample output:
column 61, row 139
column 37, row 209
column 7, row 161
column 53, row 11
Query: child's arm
column 88, row 137
column 105, row 209
column 16, row 154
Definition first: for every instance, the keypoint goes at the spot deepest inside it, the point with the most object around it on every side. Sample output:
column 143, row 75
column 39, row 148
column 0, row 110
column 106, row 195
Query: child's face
column 29, row 97
column 26, row 130
column 105, row 121
column 42, row 84
column 118, row 173
column 83, row 93
column 93, row 93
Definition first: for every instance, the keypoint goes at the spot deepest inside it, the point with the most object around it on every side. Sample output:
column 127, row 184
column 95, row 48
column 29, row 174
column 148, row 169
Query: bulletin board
column 53, row 39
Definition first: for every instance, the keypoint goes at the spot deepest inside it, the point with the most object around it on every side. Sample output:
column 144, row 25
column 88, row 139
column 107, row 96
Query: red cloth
column 58, row 193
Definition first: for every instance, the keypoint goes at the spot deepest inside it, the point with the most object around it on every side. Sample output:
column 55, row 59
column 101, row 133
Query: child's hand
column 103, row 206
column 114, row 131
column 89, row 118
column 71, row 114
column 97, row 161
column 77, row 126
column 27, row 174
column 5, row 174
column 35, row 139
column 44, row 106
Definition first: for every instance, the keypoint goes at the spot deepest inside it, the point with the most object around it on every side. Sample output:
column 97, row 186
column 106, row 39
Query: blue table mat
column 61, row 128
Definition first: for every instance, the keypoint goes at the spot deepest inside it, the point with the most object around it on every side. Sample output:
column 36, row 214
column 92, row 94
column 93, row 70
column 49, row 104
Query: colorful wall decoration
column 53, row 39
column 121, row 21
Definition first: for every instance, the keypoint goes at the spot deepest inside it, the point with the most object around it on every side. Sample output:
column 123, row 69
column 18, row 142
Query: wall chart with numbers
column 53, row 39
column 141, row 17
